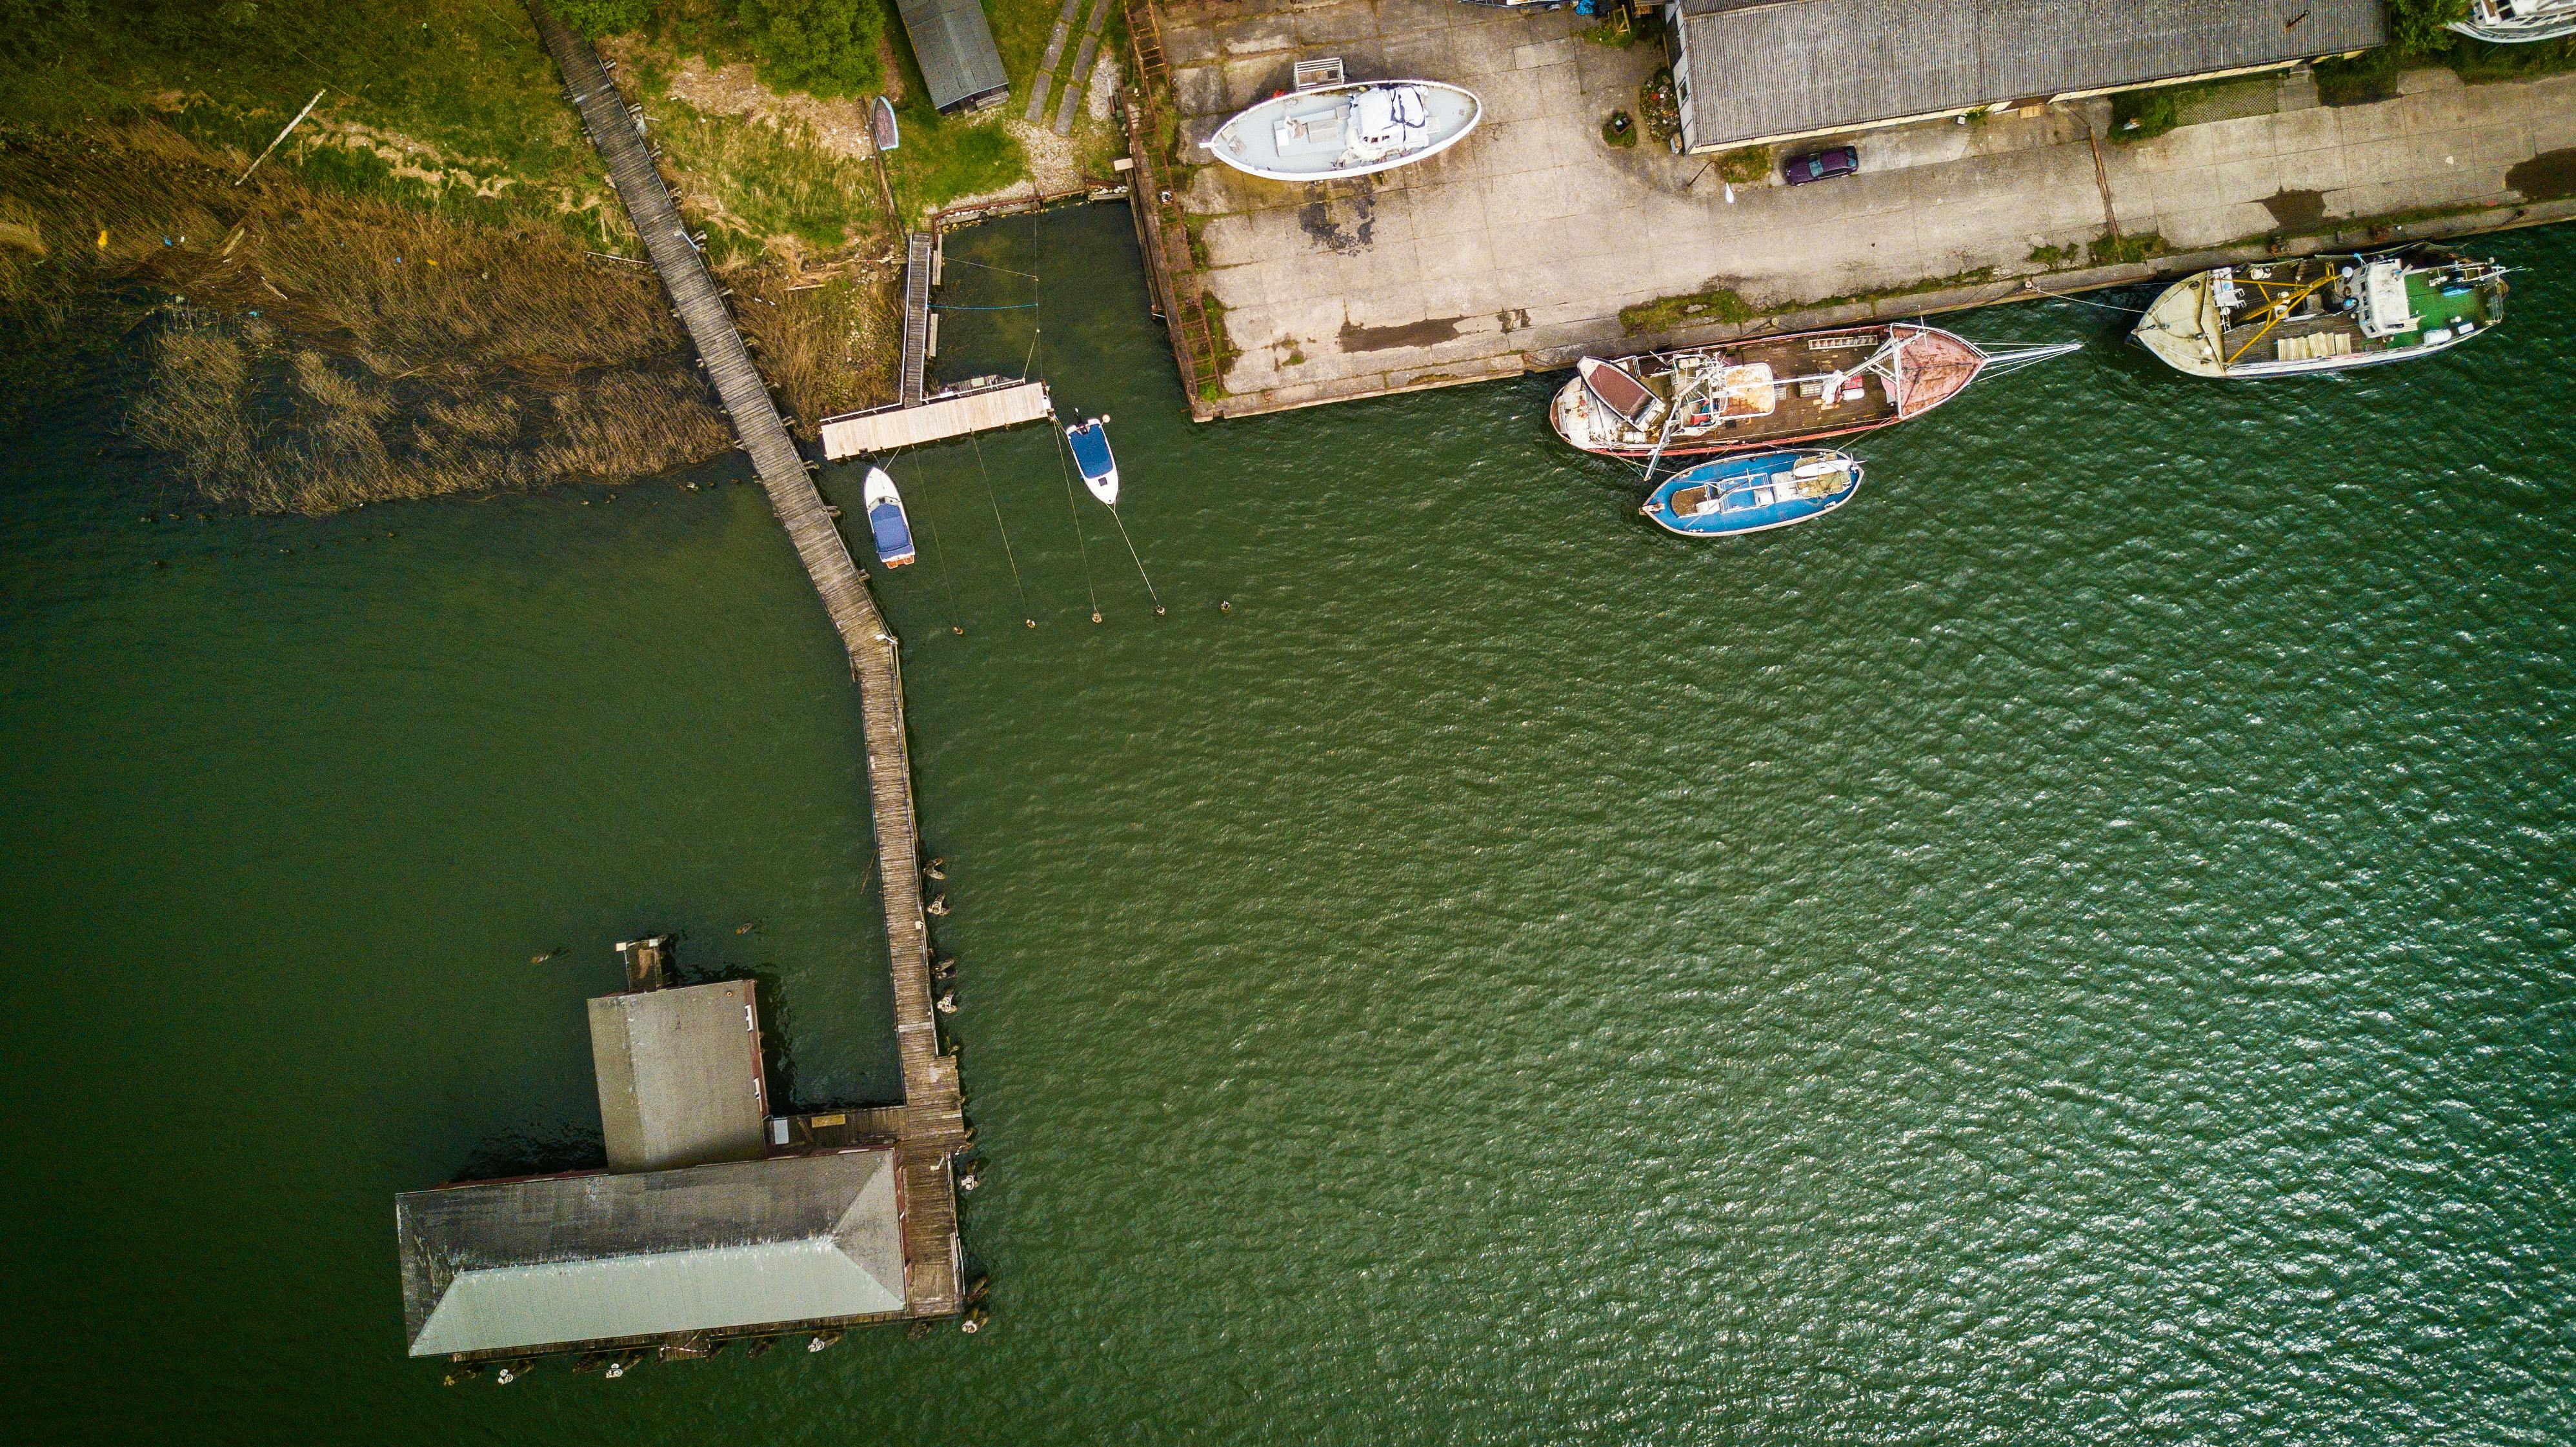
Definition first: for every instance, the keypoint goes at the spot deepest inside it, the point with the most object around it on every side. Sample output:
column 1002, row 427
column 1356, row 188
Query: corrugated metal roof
column 679, row 1076
column 528, row 1264
column 954, row 43
column 1783, row 67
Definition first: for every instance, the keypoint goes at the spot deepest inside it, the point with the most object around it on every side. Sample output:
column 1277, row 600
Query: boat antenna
column 1027, row 616
column 1055, row 425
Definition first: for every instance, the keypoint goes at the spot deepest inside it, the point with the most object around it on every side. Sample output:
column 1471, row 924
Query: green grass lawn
column 464, row 76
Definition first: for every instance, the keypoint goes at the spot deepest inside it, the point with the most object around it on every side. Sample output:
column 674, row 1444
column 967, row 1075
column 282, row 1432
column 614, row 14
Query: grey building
column 680, row 1077
column 954, row 43
column 1754, row 71
column 714, row 1219
column 602, row 1262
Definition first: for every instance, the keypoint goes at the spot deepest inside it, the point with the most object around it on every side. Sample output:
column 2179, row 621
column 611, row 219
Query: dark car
column 1820, row 165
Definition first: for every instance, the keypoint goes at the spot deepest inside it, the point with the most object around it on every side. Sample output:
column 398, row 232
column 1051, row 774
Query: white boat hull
column 1346, row 130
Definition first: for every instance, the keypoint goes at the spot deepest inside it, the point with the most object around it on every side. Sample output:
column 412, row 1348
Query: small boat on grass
column 886, row 521
column 2323, row 313
column 2517, row 22
column 1346, row 130
column 1093, row 459
column 1754, row 492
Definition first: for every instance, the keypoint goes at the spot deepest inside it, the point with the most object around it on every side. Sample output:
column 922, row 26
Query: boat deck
column 1802, row 406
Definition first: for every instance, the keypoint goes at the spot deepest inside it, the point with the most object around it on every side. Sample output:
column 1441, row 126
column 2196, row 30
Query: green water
column 2073, row 947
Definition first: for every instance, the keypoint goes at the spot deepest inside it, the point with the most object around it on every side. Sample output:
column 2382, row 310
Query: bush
column 821, row 47
column 1745, row 165
column 2421, row 27
column 2143, row 115
column 2105, row 250
column 596, row 18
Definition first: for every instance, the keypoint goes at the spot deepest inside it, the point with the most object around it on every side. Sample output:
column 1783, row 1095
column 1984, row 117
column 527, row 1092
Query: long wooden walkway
column 918, row 263
column 934, row 1121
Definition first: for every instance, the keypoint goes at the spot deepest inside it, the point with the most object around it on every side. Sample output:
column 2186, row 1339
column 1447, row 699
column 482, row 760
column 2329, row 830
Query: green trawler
column 2322, row 313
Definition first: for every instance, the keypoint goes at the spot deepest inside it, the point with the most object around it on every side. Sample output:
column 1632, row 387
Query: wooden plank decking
column 953, row 414
column 916, row 315
column 934, row 1125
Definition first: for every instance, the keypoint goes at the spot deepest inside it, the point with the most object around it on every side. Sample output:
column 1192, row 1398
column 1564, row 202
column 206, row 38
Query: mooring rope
column 1140, row 562
column 2085, row 301
column 1027, row 615
column 1073, row 510
column 946, row 583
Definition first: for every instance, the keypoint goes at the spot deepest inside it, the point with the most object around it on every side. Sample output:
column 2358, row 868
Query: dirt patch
column 839, row 125
column 2548, row 176
column 2292, row 210
column 1412, row 334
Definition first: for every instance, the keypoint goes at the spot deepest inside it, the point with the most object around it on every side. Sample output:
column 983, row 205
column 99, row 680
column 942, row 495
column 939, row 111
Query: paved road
column 1526, row 240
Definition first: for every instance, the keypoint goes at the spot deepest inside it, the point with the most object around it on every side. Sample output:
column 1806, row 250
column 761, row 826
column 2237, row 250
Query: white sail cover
column 1388, row 121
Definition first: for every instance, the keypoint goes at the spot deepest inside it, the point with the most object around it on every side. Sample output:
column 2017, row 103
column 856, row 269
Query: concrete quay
column 1518, row 249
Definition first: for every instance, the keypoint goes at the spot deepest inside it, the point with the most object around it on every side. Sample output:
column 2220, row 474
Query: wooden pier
column 920, row 267
column 933, row 1119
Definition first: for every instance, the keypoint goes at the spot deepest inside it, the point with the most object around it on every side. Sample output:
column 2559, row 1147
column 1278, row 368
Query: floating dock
column 950, row 414
column 933, row 1120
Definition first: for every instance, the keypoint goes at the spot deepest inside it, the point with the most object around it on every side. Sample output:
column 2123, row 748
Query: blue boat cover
column 894, row 540
column 1091, row 450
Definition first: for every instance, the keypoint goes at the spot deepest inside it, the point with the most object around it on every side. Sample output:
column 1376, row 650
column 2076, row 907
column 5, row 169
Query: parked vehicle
column 1820, row 165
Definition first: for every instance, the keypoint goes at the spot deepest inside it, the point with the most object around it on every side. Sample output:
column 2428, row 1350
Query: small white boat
column 2517, row 22
column 1346, row 130
column 1093, row 459
column 887, row 524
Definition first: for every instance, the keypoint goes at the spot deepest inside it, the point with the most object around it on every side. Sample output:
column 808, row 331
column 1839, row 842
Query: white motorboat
column 1346, row 130
column 887, row 525
column 1093, row 459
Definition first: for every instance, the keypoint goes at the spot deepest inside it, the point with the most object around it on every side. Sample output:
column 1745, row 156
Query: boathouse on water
column 959, row 61
column 713, row 1220
column 1749, row 72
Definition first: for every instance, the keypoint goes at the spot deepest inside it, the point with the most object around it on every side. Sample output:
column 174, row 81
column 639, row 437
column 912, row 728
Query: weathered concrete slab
column 1520, row 246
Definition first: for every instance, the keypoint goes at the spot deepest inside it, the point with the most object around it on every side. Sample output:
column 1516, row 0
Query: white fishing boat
column 1346, row 130
column 2323, row 313
column 2515, row 22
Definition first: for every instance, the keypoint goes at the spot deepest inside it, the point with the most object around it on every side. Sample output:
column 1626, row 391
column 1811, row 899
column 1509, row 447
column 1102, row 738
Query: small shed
column 680, row 1076
column 601, row 1261
column 954, row 43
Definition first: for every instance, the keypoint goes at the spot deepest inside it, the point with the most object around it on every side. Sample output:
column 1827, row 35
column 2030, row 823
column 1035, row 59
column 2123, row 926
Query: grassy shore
column 398, row 303
column 313, row 349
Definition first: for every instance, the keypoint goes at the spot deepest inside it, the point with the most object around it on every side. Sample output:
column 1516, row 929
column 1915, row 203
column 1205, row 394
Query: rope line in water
column 1017, row 306
column 1073, row 510
column 2087, row 301
column 946, row 583
column 1140, row 562
column 987, row 266
column 1027, row 615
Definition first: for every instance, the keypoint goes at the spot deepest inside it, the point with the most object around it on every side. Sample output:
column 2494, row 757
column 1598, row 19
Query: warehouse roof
column 954, row 43
column 680, row 1078
column 1767, row 68
column 519, row 1265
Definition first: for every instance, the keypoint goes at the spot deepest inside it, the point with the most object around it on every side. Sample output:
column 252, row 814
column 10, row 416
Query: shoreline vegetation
column 419, row 292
